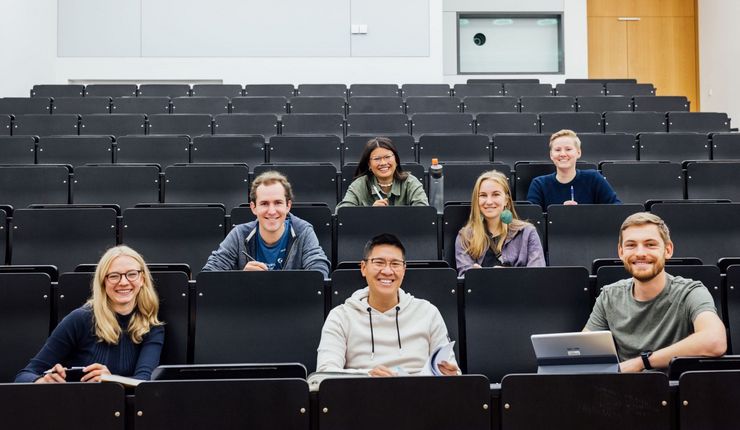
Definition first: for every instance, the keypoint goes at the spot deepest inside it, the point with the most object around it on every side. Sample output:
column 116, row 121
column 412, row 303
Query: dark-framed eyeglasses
column 382, row 263
column 115, row 277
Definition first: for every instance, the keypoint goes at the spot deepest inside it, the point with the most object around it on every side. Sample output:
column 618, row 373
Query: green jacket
column 404, row 193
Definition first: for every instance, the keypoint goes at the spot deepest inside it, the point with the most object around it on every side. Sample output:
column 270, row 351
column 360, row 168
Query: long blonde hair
column 144, row 316
column 476, row 239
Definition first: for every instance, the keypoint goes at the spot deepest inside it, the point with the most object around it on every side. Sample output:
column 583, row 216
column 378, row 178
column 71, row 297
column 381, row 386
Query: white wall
column 719, row 57
column 28, row 32
column 30, row 56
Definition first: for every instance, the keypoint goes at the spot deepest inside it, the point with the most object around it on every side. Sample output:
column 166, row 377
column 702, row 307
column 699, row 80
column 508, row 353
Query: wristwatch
column 645, row 355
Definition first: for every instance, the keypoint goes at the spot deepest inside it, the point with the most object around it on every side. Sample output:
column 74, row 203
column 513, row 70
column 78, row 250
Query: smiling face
column 564, row 153
column 492, row 199
column 271, row 207
column 122, row 294
column 382, row 164
column 383, row 270
column 643, row 251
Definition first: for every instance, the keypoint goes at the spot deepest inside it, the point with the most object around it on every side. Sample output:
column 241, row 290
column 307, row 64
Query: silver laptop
column 579, row 352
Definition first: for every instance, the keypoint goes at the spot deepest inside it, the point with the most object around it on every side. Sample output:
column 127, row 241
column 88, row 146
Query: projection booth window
column 510, row 44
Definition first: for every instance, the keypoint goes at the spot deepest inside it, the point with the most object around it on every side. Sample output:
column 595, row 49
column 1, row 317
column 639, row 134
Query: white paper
column 440, row 354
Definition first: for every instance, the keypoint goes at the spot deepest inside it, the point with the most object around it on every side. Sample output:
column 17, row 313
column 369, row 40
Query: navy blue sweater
column 73, row 343
column 588, row 187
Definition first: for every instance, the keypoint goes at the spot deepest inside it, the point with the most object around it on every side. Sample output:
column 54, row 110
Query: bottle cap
column 435, row 161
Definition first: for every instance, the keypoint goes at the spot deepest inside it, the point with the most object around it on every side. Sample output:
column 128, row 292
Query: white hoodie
column 402, row 337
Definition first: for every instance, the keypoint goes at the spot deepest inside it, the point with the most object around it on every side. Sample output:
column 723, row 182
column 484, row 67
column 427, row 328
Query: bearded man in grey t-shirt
column 654, row 316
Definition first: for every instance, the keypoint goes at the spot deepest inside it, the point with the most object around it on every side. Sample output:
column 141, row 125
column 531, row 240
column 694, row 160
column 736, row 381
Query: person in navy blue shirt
column 568, row 185
column 116, row 332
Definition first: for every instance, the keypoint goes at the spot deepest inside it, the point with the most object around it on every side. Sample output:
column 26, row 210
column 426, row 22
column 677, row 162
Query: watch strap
column 645, row 355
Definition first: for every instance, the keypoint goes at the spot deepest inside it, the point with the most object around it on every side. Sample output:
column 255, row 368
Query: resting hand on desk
column 382, row 371
column 94, row 371
column 449, row 369
column 632, row 365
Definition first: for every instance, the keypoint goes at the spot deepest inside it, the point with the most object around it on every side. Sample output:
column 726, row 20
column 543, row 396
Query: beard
column 645, row 276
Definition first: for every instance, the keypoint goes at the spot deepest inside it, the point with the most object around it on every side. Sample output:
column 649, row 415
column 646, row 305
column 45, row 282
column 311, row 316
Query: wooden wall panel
column 663, row 51
column 658, row 45
column 641, row 8
column 608, row 62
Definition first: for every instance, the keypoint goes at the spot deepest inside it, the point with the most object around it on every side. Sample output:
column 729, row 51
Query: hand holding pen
column 254, row 265
column 381, row 201
column 572, row 200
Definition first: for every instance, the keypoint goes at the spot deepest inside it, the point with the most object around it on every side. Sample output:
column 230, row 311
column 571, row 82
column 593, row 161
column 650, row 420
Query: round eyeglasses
column 115, row 277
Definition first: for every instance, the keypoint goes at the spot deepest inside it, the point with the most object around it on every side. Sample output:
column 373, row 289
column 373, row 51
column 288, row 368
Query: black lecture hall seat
column 483, row 104
column 140, row 105
column 80, row 105
column 123, row 184
column 113, row 124
column 29, row 292
column 237, row 148
column 305, row 148
column 23, row 185
column 207, row 183
column 163, row 150
column 391, row 104
column 628, row 179
column 453, row 147
column 235, row 309
column 276, row 105
column 62, row 236
column 237, row 123
column 74, row 150
column 174, row 234
column 373, row 90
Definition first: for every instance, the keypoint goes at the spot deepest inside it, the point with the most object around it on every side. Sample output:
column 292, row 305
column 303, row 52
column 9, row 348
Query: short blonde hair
column 565, row 133
column 643, row 218
column 144, row 318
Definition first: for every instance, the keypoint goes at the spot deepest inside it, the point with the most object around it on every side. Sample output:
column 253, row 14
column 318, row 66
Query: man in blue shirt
column 568, row 185
column 277, row 240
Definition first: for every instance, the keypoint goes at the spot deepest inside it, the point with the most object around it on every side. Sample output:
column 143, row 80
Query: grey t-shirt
column 652, row 325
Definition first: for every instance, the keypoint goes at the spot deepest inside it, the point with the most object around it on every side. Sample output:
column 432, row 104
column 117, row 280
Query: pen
column 249, row 257
column 572, row 193
column 377, row 192
column 50, row 371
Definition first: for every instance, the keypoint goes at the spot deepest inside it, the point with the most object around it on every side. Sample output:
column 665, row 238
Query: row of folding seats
column 65, row 236
column 227, row 184
column 516, row 89
column 254, row 149
column 337, row 105
column 368, row 123
column 197, row 313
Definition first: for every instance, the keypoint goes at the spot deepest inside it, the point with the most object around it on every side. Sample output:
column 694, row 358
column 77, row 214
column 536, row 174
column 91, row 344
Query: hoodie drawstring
column 398, row 330
column 372, row 335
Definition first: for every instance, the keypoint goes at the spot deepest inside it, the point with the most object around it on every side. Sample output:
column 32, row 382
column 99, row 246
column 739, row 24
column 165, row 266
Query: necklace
column 385, row 185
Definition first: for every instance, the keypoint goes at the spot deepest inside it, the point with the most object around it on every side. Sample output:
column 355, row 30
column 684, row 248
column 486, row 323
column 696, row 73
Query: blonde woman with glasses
column 116, row 332
column 380, row 179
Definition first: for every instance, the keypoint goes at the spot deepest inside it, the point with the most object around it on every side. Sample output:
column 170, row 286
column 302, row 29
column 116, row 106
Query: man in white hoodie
column 381, row 329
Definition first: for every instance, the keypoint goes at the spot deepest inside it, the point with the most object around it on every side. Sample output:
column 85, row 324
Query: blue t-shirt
column 587, row 187
column 273, row 256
